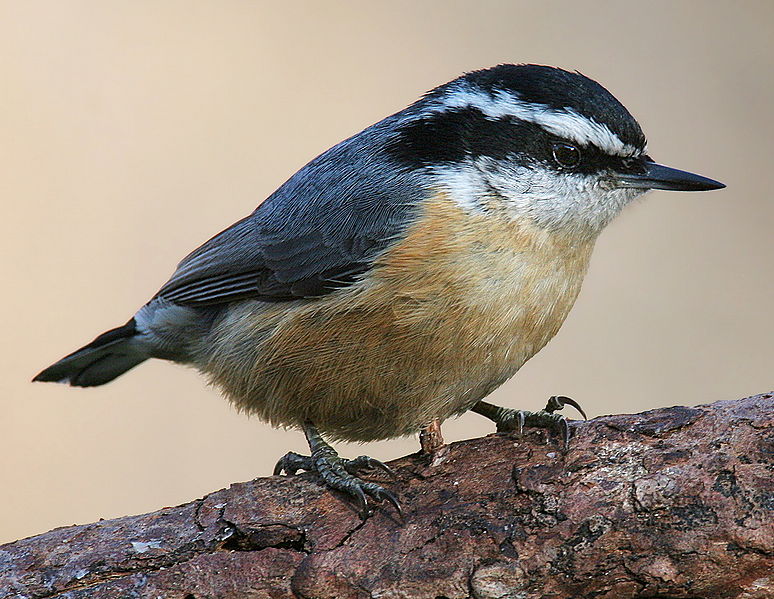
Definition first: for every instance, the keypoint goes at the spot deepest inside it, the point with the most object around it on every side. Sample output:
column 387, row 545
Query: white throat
column 569, row 202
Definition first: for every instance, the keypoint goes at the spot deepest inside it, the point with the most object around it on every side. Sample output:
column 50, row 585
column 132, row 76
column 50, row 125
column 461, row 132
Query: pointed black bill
column 658, row 176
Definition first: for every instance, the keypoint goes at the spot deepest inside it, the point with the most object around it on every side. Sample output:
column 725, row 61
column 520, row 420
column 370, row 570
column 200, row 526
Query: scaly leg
column 430, row 438
column 515, row 420
column 338, row 473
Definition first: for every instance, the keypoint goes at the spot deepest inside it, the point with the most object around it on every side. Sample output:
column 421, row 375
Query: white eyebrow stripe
column 565, row 123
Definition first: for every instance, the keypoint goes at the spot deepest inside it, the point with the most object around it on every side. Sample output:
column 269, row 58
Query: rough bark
column 676, row 502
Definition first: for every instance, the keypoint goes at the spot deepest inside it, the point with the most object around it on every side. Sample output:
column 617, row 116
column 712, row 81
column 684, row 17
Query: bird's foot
column 340, row 473
column 508, row 420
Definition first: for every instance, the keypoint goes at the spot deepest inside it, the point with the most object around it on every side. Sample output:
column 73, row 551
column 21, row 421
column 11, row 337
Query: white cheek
column 557, row 200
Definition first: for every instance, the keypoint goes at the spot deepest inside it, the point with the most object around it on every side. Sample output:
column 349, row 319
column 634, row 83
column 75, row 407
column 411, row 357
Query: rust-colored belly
column 445, row 317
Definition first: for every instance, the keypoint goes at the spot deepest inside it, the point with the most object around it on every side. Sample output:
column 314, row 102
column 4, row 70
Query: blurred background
column 131, row 132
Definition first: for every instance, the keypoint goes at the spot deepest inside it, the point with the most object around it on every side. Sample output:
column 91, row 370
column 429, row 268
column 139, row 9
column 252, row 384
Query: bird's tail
column 108, row 356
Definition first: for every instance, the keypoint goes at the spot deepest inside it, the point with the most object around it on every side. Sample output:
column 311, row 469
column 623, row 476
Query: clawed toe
column 551, row 421
column 512, row 422
column 291, row 463
column 361, row 490
column 364, row 462
column 515, row 420
column 383, row 494
column 340, row 474
column 557, row 402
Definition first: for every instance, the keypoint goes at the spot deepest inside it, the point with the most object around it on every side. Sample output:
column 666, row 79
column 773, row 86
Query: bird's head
column 546, row 144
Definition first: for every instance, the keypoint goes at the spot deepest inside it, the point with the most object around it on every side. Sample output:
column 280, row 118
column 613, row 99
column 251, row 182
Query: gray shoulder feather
column 318, row 232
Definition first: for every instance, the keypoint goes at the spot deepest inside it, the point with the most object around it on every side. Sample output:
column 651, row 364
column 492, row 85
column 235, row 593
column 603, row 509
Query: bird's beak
column 658, row 176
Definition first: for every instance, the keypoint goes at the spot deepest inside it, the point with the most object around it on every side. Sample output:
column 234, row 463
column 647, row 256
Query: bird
column 404, row 274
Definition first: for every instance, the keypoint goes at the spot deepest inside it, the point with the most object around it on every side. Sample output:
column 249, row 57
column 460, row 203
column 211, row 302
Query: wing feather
column 317, row 233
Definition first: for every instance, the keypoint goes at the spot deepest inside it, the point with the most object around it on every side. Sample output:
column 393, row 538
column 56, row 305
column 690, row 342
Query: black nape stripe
column 453, row 136
column 440, row 138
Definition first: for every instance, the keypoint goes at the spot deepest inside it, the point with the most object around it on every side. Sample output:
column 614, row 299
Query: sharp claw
column 340, row 474
column 384, row 468
column 369, row 462
column 284, row 464
column 557, row 402
column 291, row 463
column 571, row 402
column 366, row 462
column 362, row 502
column 381, row 494
column 385, row 494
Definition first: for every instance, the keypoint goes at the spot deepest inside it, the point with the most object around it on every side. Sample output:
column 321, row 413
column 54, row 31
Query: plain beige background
column 130, row 132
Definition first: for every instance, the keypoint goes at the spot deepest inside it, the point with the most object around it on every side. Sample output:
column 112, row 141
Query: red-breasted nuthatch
column 404, row 274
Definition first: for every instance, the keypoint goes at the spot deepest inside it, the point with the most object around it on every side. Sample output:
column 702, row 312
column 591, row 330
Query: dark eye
column 566, row 155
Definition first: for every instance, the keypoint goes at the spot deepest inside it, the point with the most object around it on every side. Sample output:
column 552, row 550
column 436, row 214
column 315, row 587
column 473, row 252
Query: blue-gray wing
column 319, row 232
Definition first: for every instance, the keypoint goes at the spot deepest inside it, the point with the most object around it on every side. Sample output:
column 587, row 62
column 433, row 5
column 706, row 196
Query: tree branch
column 675, row 502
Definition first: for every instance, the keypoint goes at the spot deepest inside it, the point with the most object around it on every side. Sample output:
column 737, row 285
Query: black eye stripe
column 457, row 135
